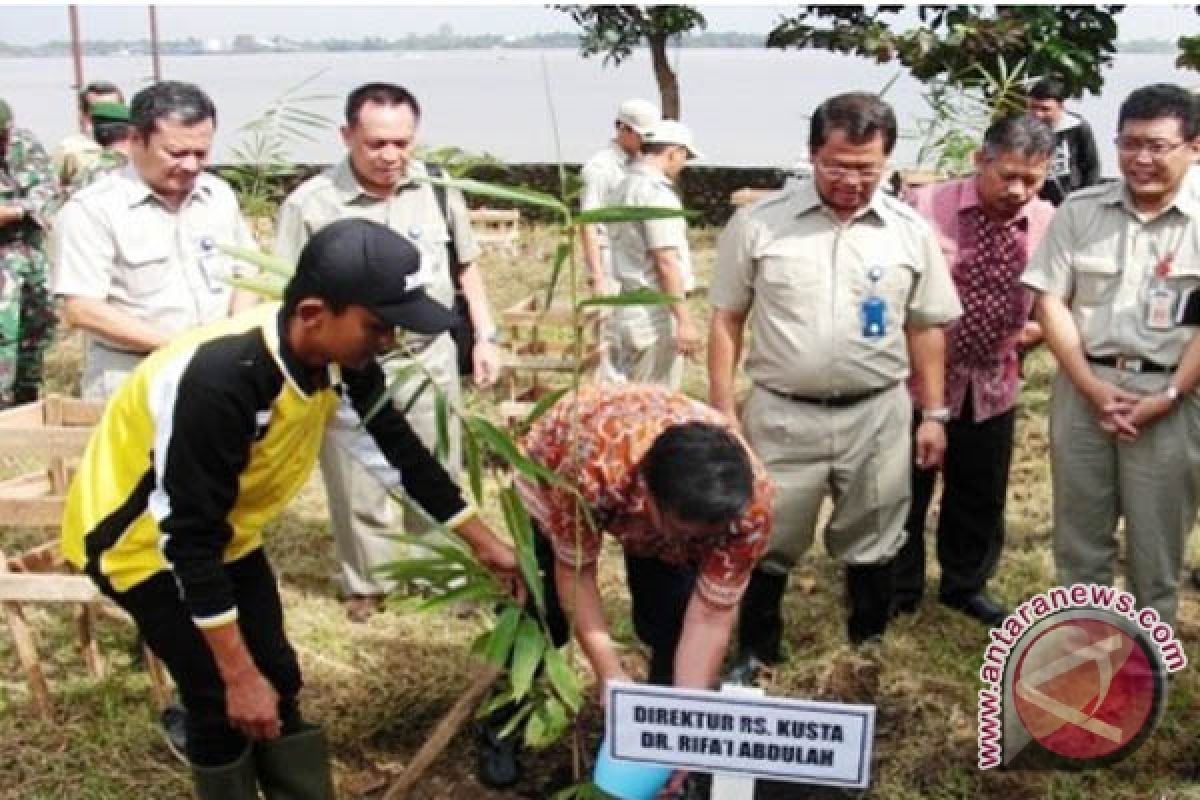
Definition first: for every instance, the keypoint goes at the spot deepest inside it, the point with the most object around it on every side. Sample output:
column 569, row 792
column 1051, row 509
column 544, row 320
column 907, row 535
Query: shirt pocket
column 785, row 270
column 145, row 261
column 1096, row 280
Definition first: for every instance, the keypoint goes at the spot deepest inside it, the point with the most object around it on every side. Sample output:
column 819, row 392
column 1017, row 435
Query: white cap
column 638, row 114
column 669, row 131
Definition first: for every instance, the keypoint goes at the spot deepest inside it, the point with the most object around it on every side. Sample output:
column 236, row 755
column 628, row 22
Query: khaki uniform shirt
column 412, row 210
column 1099, row 256
column 633, row 266
column 601, row 175
column 806, row 275
column 117, row 242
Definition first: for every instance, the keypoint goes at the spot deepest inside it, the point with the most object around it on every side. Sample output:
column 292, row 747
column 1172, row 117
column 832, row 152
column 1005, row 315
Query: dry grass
column 379, row 687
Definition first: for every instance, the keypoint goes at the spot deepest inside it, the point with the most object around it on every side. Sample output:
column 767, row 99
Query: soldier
column 29, row 194
column 114, row 133
column 80, row 151
column 1112, row 276
column 647, row 344
column 376, row 181
column 849, row 291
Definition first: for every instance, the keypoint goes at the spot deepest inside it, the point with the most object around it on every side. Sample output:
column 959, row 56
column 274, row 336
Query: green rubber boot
column 235, row 781
column 295, row 767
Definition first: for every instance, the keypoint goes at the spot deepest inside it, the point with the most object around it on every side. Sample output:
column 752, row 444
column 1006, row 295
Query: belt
column 1130, row 364
column 830, row 401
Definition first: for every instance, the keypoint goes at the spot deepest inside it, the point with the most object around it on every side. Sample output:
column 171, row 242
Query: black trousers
column 167, row 627
column 970, row 531
column 660, row 593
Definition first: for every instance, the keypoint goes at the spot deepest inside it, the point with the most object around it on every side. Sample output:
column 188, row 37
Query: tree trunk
column 668, row 84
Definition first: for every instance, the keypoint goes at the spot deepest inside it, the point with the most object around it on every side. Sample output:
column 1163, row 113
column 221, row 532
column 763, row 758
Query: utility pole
column 157, row 65
column 76, row 50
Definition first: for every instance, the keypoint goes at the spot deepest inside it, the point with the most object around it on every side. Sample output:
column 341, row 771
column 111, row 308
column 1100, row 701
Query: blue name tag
column 874, row 318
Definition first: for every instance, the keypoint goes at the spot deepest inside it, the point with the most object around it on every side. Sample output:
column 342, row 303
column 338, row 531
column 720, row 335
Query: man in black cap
column 208, row 440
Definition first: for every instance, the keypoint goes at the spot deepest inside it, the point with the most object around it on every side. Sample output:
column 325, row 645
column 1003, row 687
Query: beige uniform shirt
column 1099, row 256
column 806, row 276
column 633, row 267
column 601, row 175
column 412, row 210
column 117, row 242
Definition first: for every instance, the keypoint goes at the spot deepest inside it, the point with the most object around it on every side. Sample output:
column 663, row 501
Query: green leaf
column 637, row 297
column 522, row 533
column 474, row 464
column 441, row 417
column 563, row 679
column 472, row 186
column 544, row 404
column 546, row 724
column 500, row 642
column 528, row 647
column 522, row 713
column 415, row 396
column 503, row 446
column 395, row 381
column 629, row 214
column 266, row 288
column 498, row 700
column 268, row 263
column 472, row 591
column 561, row 254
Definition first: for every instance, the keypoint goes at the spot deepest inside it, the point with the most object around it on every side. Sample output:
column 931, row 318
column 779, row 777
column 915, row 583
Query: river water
column 747, row 107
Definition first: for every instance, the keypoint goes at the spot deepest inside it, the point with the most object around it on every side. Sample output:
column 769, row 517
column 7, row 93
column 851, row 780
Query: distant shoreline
column 432, row 43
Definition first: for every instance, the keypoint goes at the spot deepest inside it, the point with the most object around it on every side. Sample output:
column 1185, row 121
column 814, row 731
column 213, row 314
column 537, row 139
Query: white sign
column 798, row 741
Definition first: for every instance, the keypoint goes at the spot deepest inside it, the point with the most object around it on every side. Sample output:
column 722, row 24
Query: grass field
column 379, row 687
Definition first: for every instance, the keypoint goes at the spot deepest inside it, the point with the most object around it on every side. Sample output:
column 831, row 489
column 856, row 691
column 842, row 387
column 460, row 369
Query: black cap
column 358, row 262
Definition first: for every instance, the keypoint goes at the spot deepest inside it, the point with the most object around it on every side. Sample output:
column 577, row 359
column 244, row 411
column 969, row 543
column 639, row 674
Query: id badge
column 1160, row 308
column 211, row 265
column 874, row 317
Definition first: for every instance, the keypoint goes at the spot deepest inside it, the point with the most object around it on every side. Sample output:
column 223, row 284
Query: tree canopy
column 614, row 32
column 1075, row 43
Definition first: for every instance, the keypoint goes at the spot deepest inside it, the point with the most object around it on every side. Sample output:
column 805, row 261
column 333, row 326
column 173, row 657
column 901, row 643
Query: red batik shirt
column 987, row 259
column 596, row 439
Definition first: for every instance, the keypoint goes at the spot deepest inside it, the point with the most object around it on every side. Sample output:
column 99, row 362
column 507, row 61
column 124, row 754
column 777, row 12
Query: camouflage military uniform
column 27, row 318
column 105, row 162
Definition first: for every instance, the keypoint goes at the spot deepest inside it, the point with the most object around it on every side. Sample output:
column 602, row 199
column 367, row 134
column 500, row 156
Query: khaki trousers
column 361, row 512
column 1151, row 482
column 859, row 455
column 641, row 352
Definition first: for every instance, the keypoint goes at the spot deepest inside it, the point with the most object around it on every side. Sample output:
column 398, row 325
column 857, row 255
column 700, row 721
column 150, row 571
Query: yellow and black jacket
column 207, row 441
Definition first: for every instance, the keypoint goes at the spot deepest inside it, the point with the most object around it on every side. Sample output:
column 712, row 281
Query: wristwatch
column 941, row 415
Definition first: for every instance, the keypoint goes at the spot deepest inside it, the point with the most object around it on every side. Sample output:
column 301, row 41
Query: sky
column 34, row 24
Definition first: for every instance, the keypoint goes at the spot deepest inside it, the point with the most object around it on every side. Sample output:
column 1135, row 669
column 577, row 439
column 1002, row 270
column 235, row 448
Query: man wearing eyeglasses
column 1114, row 276
column 849, row 289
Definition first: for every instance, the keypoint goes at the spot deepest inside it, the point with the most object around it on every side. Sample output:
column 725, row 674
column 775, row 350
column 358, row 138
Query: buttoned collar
column 349, row 190
column 137, row 191
column 1186, row 200
column 651, row 171
column 805, row 199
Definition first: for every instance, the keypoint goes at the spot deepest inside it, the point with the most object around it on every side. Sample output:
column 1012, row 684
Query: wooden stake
column 444, row 731
column 27, row 652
